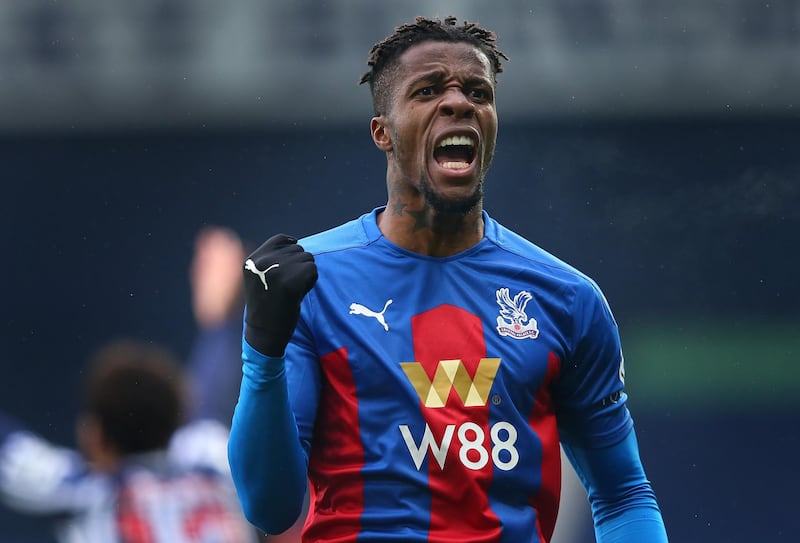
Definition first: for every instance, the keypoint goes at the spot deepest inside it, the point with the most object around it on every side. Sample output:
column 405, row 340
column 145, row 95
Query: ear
column 380, row 133
column 93, row 444
column 89, row 436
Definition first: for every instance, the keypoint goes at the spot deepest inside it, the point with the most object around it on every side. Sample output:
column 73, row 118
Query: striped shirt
column 182, row 495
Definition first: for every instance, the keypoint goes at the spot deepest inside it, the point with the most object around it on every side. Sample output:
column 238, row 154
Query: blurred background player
column 216, row 295
column 130, row 481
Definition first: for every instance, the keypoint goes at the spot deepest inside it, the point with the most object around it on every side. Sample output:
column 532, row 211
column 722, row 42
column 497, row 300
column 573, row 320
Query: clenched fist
column 277, row 276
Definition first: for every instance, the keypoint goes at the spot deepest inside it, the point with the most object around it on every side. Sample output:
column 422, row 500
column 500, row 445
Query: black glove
column 277, row 276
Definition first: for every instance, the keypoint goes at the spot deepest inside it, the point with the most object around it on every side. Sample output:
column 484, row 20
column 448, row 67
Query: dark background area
column 690, row 226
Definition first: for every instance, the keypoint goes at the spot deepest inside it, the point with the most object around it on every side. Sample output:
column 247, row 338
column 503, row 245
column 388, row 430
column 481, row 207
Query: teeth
column 457, row 140
column 455, row 165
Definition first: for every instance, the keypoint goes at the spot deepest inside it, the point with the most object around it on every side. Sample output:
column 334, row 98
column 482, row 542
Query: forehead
column 460, row 58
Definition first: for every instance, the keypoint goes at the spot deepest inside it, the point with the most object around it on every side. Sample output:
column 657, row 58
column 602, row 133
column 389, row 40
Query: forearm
column 646, row 527
column 634, row 518
column 36, row 476
column 624, row 505
column 267, row 462
column 213, row 371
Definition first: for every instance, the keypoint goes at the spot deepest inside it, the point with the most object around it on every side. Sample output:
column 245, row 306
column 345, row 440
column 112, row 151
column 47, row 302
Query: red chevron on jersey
column 450, row 333
column 543, row 422
column 339, row 425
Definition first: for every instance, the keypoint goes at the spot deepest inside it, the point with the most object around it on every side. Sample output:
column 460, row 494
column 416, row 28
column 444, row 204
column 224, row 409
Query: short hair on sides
column 383, row 56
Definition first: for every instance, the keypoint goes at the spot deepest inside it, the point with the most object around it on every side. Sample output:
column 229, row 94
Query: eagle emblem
column 513, row 321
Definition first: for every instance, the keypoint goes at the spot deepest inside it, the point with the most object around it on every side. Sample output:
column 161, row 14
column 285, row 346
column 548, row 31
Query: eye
column 478, row 94
column 425, row 91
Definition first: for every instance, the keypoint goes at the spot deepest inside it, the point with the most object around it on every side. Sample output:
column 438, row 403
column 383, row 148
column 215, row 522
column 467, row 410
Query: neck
column 416, row 226
column 95, row 446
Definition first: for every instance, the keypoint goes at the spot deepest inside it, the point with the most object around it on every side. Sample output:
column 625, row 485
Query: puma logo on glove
column 273, row 308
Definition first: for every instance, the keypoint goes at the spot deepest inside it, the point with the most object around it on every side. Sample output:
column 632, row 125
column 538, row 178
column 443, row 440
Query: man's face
column 442, row 123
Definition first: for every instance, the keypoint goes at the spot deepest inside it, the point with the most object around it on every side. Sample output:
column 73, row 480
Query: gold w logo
column 451, row 374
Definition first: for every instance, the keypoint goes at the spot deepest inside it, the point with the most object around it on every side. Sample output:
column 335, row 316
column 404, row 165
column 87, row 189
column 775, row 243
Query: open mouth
column 455, row 152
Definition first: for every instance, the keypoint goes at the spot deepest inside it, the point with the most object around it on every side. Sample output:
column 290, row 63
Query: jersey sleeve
column 39, row 477
column 213, row 367
column 623, row 503
column 269, row 444
column 590, row 393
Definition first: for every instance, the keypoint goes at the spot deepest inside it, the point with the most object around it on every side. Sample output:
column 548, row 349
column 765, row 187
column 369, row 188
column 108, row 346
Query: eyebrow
column 437, row 76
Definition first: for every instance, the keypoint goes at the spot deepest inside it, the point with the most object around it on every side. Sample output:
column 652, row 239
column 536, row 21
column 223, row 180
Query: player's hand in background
column 277, row 276
column 215, row 276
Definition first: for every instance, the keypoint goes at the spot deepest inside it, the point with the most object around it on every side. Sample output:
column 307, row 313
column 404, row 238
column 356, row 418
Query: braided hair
column 383, row 56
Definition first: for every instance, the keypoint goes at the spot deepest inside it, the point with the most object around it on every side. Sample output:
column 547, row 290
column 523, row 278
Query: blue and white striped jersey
column 182, row 495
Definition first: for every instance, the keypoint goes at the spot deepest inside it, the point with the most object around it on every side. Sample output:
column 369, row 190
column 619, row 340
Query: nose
column 456, row 104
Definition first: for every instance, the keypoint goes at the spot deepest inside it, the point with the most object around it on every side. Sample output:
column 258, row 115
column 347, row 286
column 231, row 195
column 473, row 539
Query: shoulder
column 527, row 253
column 35, row 474
column 356, row 233
column 201, row 444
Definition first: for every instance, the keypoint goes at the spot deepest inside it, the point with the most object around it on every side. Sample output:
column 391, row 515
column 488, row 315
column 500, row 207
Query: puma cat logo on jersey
column 358, row 309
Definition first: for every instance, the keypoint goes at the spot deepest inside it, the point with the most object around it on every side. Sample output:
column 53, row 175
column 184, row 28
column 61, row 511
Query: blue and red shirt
column 430, row 394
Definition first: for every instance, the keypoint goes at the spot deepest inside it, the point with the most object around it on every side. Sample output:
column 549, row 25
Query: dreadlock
column 384, row 54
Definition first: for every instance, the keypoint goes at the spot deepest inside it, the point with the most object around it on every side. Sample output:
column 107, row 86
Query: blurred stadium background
column 655, row 145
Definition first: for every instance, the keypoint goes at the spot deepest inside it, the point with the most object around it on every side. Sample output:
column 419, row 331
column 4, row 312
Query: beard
column 442, row 205
column 455, row 206
column 450, row 206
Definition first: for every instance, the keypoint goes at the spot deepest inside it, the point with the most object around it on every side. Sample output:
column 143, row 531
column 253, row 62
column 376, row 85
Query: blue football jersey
column 431, row 393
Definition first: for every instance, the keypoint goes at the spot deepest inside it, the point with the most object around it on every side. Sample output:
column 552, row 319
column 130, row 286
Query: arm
column 267, row 461
column 41, row 478
column 214, row 371
column 596, row 428
column 623, row 503
column 215, row 278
